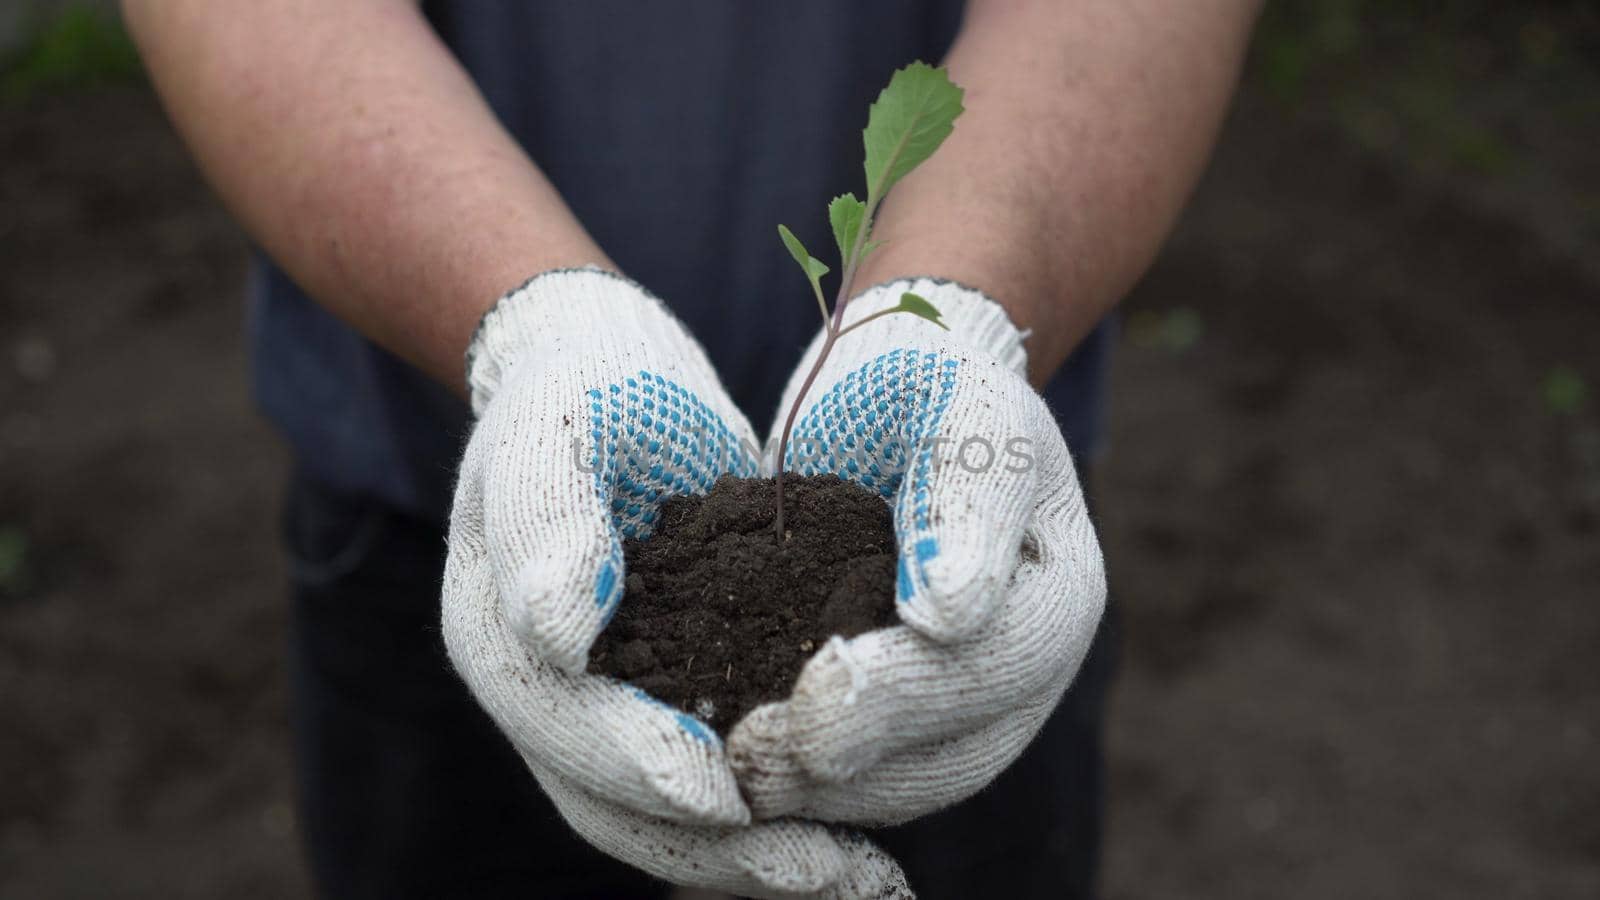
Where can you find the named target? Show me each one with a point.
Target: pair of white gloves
(594, 405)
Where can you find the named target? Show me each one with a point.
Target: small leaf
(917, 306)
(910, 119)
(813, 267)
(845, 214)
(796, 249)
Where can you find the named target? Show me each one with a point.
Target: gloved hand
(1000, 583)
(593, 406)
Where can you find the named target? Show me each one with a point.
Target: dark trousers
(407, 789)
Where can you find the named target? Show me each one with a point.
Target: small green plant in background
(1563, 390)
(1174, 330)
(14, 569)
(83, 46)
(910, 119)
(1412, 78)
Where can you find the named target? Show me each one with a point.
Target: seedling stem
(910, 119)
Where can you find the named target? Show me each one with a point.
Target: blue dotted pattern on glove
(696, 728)
(653, 439)
(874, 427)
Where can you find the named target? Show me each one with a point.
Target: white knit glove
(1000, 583)
(593, 406)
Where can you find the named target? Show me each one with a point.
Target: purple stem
(845, 282)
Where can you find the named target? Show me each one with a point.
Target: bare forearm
(1087, 125)
(360, 156)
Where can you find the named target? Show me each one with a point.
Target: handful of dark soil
(719, 618)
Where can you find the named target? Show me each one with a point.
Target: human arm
(356, 151)
(1087, 125)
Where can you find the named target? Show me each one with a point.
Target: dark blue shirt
(680, 134)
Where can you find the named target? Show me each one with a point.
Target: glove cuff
(974, 320)
(557, 307)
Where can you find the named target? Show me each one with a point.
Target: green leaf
(845, 214)
(917, 306)
(813, 267)
(909, 121)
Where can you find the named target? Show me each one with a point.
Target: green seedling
(910, 119)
